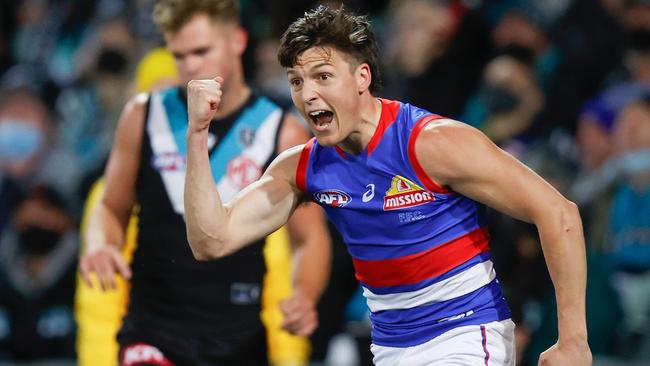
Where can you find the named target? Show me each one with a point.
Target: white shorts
(487, 344)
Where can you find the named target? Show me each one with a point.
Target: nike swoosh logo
(370, 193)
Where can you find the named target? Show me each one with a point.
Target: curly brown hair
(342, 30)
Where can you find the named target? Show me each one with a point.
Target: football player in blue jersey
(406, 188)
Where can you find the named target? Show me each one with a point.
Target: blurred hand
(203, 98)
(106, 261)
(300, 315)
(568, 353)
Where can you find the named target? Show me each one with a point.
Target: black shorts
(139, 346)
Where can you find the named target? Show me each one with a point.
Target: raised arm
(461, 157)
(214, 229)
(104, 236)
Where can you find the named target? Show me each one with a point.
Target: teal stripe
(177, 117)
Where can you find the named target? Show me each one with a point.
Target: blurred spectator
(594, 140)
(593, 136)
(588, 39)
(436, 52)
(630, 225)
(88, 109)
(25, 135)
(593, 183)
(37, 272)
(634, 17)
(508, 100)
(522, 32)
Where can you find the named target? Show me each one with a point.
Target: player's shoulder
(288, 161)
(444, 129)
(137, 104)
(132, 119)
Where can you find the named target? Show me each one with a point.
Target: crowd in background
(563, 85)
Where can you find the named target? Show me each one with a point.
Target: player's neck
(235, 94)
(365, 125)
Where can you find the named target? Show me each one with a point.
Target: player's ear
(363, 77)
(239, 40)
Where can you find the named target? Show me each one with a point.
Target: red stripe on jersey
(421, 266)
(301, 170)
(389, 109)
(422, 175)
(341, 152)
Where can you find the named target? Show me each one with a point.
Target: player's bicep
(475, 167)
(264, 206)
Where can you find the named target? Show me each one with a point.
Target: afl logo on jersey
(332, 197)
(404, 193)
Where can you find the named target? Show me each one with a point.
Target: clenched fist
(300, 315)
(203, 98)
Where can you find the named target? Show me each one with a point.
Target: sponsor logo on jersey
(243, 171)
(370, 193)
(404, 193)
(168, 161)
(332, 197)
(142, 353)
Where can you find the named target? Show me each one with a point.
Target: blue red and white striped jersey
(420, 250)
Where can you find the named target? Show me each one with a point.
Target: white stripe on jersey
(450, 288)
(162, 142)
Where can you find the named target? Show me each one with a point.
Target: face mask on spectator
(38, 241)
(634, 163)
(19, 139)
(499, 100)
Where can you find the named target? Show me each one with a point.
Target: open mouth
(321, 118)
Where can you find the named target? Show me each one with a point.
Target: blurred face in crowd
(421, 31)
(632, 131)
(204, 48)
(326, 86)
(594, 141)
(24, 131)
(40, 224)
(516, 29)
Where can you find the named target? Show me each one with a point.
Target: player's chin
(327, 139)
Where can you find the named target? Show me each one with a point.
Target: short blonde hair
(171, 15)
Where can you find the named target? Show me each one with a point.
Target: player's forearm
(104, 228)
(312, 265)
(564, 250)
(311, 248)
(204, 212)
